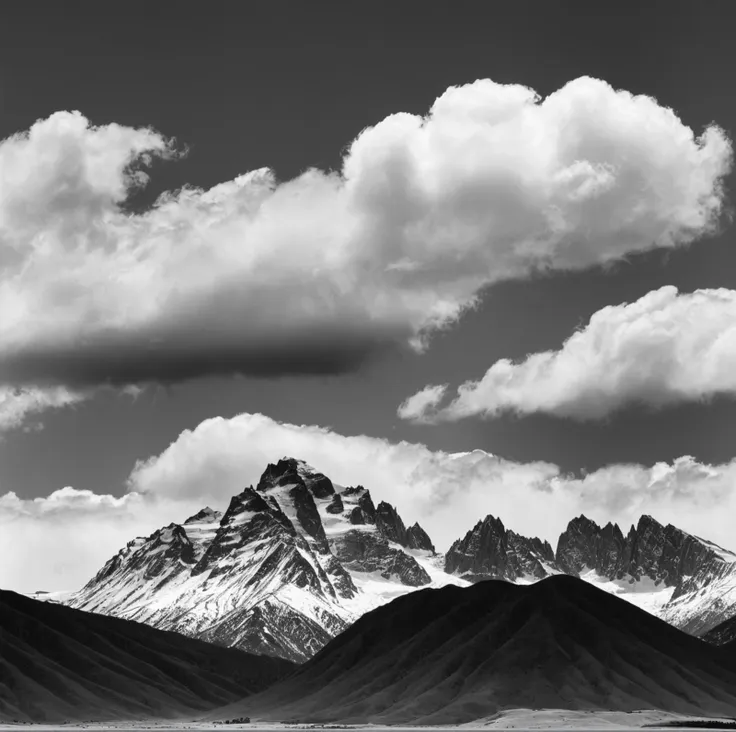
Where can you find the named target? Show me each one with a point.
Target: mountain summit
(289, 565)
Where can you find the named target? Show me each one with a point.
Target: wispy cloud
(18, 404)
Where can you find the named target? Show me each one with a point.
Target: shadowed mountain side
(724, 634)
(451, 655)
(57, 664)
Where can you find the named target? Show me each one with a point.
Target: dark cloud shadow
(119, 359)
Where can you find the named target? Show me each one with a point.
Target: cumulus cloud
(60, 541)
(316, 274)
(666, 347)
(66, 537)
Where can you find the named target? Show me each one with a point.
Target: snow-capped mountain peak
(289, 564)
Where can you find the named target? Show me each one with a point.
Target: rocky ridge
(490, 551)
(683, 579)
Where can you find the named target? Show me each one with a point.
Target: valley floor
(518, 719)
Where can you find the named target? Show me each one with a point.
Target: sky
(476, 258)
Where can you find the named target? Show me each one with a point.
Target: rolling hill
(60, 664)
(453, 655)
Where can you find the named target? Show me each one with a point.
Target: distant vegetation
(699, 723)
(236, 720)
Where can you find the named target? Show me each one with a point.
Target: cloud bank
(60, 542)
(318, 273)
(666, 347)
(70, 534)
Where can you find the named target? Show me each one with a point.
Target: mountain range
(297, 559)
(683, 579)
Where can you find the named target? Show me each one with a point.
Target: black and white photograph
(367, 365)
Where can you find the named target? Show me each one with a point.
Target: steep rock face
(584, 544)
(490, 551)
(417, 538)
(201, 529)
(365, 551)
(389, 524)
(693, 579)
(681, 578)
(663, 554)
(362, 511)
(361, 535)
(669, 555)
(295, 486)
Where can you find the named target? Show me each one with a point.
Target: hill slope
(451, 655)
(57, 664)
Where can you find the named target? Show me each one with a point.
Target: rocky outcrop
(490, 551)
(335, 505)
(363, 511)
(700, 576)
(585, 545)
(389, 523)
(650, 550)
(362, 540)
(369, 551)
(694, 580)
(669, 555)
(417, 538)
